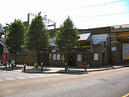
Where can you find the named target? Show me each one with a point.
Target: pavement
(108, 83)
(111, 86)
(81, 70)
(72, 70)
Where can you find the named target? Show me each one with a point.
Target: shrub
(36, 65)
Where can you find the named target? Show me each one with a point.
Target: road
(12, 75)
(110, 83)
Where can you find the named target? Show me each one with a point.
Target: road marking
(126, 95)
(40, 76)
(21, 77)
(10, 78)
(31, 76)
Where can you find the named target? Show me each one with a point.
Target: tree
(67, 36)
(38, 36)
(15, 36)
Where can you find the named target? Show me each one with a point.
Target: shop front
(120, 48)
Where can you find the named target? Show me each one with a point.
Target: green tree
(15, 36)
(38, 36)
(67, 36)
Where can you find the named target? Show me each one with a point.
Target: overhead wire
(95, 5)
(102, 4)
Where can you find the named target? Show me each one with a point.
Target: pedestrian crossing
(26, 77)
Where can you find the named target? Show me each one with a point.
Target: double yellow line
(126, 95)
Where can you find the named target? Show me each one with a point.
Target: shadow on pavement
(72, 72)
(35, 70)
(10, 69)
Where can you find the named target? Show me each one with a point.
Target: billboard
(99, 38)
(125, 51)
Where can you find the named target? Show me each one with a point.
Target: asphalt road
(111, 83)
(13, 75)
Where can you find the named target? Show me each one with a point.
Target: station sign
(120, 28)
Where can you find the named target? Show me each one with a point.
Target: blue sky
(84, 13)
(127, 5)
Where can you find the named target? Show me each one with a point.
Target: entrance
(44, 58)
(71, 60)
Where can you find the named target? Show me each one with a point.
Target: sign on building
(96, 56)
(54, 56)
(99, 38)
(58, 56)
(113, 48)
(5, 50)
(125, 51)
(79, 57)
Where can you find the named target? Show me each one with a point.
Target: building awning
(84, 36)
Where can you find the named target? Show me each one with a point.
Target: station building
(102, 46)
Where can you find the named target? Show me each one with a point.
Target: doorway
(71, 60)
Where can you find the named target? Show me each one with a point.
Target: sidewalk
(76, 70)
(81, 70)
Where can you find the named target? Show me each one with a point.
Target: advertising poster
(54, 56)
(96, 57)
(99, 38)
(79, 57)
(62, 57)
(58, 56)
(125, 51)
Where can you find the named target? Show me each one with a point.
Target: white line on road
(10, 78)
(30, 76)
(20, 77)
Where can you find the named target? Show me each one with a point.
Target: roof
(84, 36)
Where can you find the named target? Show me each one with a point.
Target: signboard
(54, 56)
(5, 50)
(96, 56)
(50, 55)
(99, 38)
(79, 57)
(125, 51)
(58, 56)
(53, 50)
(62, 57)
(113, 48)
(119, 28)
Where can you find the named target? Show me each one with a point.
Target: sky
(84, 13)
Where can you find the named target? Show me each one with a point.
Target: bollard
(41, 66)
(85, 67)
(9, 65)
(24, 67)
(12, 65)
(66, 67)
(5, 65)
